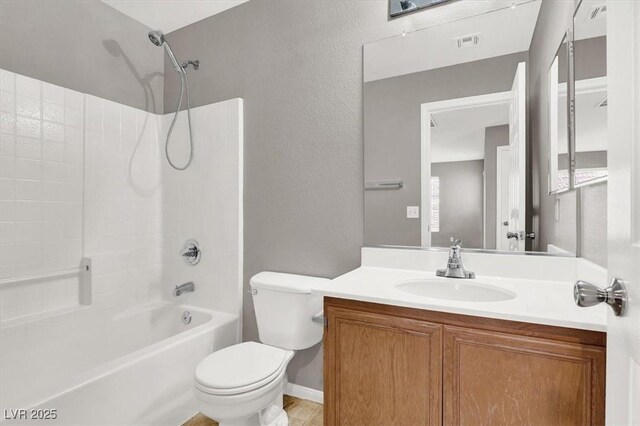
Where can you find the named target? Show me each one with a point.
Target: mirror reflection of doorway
(474, 149)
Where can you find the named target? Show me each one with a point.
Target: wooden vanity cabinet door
(381, 370)
(493, 378)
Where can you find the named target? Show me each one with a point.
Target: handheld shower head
(158, 39)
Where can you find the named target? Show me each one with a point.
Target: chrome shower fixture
(157, 38)
(195, 64)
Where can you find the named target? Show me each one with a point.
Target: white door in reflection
(517, 164)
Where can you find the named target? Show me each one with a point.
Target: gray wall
(493, 138)
(298, 66)
(461, 202)
(84, 45)
(555, 17)
(392, 132)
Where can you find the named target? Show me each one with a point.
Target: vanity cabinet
(382, 369)
(386, 365)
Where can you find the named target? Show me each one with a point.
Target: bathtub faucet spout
(184, 288)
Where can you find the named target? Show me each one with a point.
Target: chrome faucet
(454, 268)
(191, 252)
(184, 288)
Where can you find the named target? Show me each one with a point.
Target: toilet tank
(284, 309)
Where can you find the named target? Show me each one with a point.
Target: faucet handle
(191, 252)
(456, 242)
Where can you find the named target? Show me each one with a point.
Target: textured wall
(392, 134)
(84, 45)
(554, 19)
(460, 215)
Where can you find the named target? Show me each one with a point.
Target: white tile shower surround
(134, 212)
(204, 203)
(137, 211)
(41, 153)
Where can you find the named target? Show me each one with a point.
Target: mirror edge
(572, 178)
(475, 250)
(568, 39)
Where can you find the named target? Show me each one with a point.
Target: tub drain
(186, 317)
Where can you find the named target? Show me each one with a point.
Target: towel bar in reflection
(381, 185)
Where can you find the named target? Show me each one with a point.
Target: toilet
(243, 384)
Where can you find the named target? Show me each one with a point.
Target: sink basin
(454, 289)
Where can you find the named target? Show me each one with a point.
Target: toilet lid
(241, 366)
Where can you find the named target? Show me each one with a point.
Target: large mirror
(446, 135)
(590, 68)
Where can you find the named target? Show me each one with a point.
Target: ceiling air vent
(471, 40)
(596, 12)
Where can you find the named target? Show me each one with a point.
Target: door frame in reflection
(502, 216)
(427, 110)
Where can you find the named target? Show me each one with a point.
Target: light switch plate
(413, 212)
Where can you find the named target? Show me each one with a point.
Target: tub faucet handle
(191, 252)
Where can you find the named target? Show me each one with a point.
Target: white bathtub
(130, 367)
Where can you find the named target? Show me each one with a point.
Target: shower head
(156, 37)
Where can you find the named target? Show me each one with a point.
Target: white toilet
(243, 384)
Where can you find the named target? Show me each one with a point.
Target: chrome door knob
(586, 294)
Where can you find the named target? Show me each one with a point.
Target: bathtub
(111, 367)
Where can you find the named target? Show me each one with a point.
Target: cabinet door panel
(381, 370)
(498, 379)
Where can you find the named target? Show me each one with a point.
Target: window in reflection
(435, 204)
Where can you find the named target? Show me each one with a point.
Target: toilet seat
(240, 368)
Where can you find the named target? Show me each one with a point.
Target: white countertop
(537, 301)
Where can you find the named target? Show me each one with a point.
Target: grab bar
(83, 271)
(35, 277)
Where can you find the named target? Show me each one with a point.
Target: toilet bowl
(243, 384)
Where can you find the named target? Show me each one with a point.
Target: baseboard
(304, 392)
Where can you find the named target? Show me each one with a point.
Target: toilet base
(272, 415)
(281, 419)
(260, 407)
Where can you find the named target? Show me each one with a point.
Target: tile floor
(301, 412)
